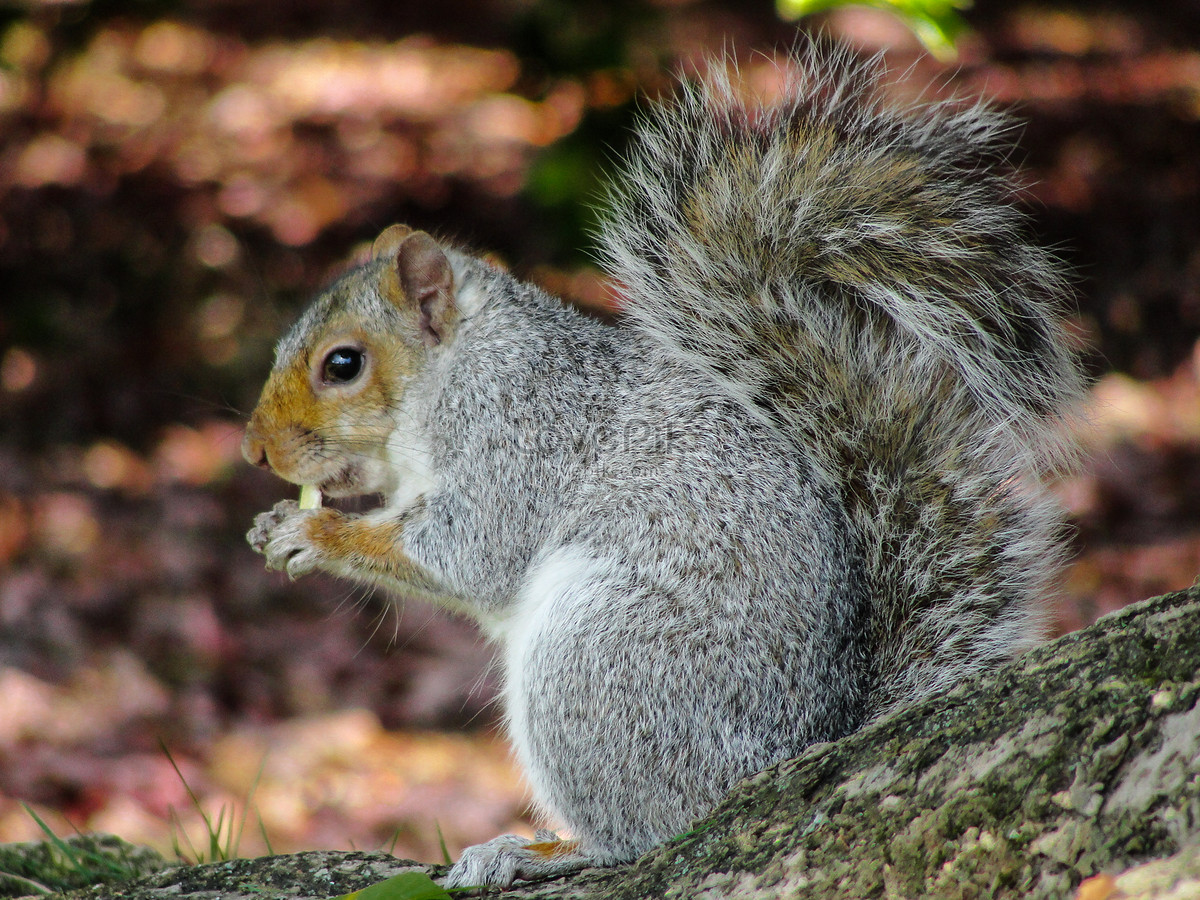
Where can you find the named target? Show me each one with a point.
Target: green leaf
(405, 886)
(936, 23)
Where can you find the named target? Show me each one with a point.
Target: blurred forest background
(177, 176)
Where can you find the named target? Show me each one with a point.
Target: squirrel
(798, 484)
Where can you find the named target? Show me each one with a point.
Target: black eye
(342, 365)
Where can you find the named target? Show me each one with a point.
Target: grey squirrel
(798, 486)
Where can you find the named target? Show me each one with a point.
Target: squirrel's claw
(264, 524)
(504, 859)
(280, 535)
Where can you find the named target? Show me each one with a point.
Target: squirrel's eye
(342, 365)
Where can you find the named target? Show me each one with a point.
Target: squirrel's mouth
(351, 475)
(340, 485)
(350, 481)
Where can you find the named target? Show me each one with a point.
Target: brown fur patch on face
(316, 432)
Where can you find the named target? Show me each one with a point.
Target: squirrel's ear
(428, 284)
(389, 241)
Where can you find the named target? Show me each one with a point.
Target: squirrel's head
(331, 403)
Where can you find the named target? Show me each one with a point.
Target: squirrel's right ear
(420, 278)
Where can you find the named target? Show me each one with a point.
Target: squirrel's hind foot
(504, 859)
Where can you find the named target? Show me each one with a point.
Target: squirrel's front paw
(503, 860)
(283, 536)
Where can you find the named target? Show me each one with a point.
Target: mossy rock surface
(37, 867)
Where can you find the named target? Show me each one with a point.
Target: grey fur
(720, 618)
(857, 275)
(722, 623)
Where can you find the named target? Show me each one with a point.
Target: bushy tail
(856, 273)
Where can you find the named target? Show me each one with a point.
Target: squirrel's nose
(254, 450)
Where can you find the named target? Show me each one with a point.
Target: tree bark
(1079, 759)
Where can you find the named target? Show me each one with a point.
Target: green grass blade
(442, 843)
